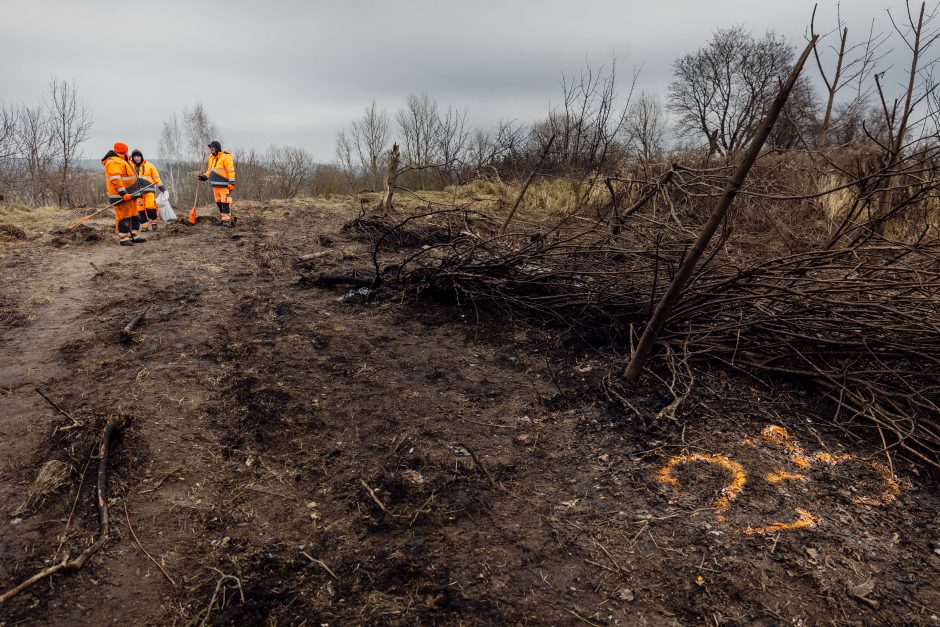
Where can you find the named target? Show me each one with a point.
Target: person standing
(121, 181)
(149, 179)
(221, 176)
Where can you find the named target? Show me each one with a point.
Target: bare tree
(292, 168)
(370, 135)
(589, 120)
(200, 130)
(33, 139)
(69, 125)
(344, 159)
(7, 150)
(723, 91)
(171, 149)
(418, 123)
(645, 127)
(452, 139)
(851, 67)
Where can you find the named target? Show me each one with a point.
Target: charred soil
(311, 454)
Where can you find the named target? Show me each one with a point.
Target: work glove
(231, 188)
(126, 197)
(202, 177)
(161, 188)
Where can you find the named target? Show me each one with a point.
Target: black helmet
(215, 144)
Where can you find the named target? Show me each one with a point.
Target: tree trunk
(394, 157)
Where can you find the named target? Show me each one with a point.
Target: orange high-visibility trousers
(221, 194)
(123, 214)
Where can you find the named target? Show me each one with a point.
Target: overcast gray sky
(276, 71)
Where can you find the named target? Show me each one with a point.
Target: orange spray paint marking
(804, 520)
(889, 495)
(779, 476)
(728, 493)
(781, 437)
(829, 458)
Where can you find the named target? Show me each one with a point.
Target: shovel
(192, 213)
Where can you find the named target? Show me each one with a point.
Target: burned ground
(298, 453)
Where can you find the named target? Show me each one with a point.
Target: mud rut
(344, 462)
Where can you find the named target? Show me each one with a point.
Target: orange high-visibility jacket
(149, 176)
(119, 175)
(221, 170)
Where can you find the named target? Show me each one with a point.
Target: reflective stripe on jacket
(119, 176)
(148, 175)
(221, 170)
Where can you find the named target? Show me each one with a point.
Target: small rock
(604, 458)
(523, 439)
(813, 555)
(311, 504)
(625, 594)
(16, 521)
(225, 541)
(413, 476)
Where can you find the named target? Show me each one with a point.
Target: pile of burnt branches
(861, 325)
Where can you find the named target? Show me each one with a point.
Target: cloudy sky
(283, 72)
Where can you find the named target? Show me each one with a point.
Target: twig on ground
(126, 331)
(160, 482)
(321, 564)
(215, 593)
(75, 423)
(479, 464)
(141, 547)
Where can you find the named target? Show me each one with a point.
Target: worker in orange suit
(122, 186)
(221, 176)
(149, 178)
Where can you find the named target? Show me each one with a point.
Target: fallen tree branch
(66, 565)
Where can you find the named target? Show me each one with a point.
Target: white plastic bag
(163, 206)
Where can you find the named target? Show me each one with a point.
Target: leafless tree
(292, 168)
(588, 121)
(481, 150)
(370, 135)
(200, 130)
(33, 139)
(452, 138)
(851, 68)
(69, 125)
(254, 174)
(418, 123)
(344, 159)
(7, 150)
(723, 91)
(171, 149)
(645, 127)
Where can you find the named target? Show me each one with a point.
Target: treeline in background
(850, 141)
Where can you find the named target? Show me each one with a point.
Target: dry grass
(53, 475)
(27, 219)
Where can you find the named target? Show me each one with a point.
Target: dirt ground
(300, 455)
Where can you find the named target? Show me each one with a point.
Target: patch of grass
(32, 219)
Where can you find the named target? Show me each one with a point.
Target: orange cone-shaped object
(192, 215)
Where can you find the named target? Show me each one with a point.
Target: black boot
(136, 239)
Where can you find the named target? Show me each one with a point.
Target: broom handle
(111, 206)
